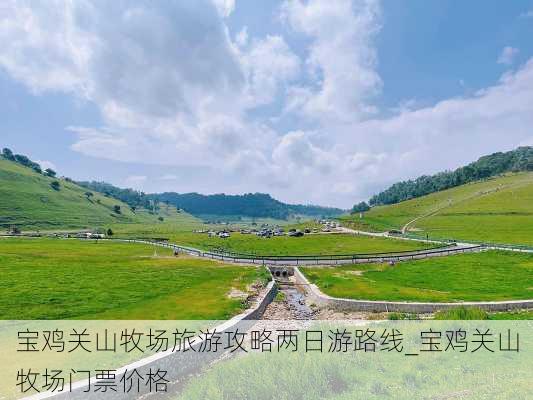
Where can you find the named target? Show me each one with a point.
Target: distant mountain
(257, 205)
(520, 159)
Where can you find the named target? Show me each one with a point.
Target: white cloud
(46, 164)
(508, 55)
(296, 151)
(183, 95)
(225, 7)
(241, 38)
(527, 14)
(135, 181)
(341, 57)
(269, 64)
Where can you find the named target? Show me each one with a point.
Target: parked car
(295, 233)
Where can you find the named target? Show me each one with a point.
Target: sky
(313, 101)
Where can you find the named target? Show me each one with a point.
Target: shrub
(8, 154)
(109, 232)
(395, 316)
(462, 313)
(116, 209)
(55, 185)
(50, 172)
(361, 207)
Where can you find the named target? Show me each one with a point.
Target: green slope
(498, 209)
(28, 201)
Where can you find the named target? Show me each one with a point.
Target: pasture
(313, 244)
(71, 279)
(486, 276)
(496, 210)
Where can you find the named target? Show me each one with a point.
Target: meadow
(313, 244)
(29, 201)
(377, 375)
(486, 276)
(498, 210)
(72, 279)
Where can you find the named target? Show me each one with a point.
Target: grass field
(308, 244)
(495, 210)
(70, 279)
(348, 374)
(28, 201)
(468, 277)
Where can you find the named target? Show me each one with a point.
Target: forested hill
(134, 198)
(520, 159)
(258, 205)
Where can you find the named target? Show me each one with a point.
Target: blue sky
(312, 101)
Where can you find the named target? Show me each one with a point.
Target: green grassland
(28, 200)
(349, 374)
(150, 227)
(486, 276)
(496, 210)
(71, 279)
(318, 244)
(475, 313)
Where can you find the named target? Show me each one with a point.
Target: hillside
(29, 202)
(497, 209)
(215, 206)
(256, 205)
(520, 159)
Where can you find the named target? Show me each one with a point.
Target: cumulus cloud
(241, 39)
(269, 64)
(195, 95)
(341, 56)
(225, 7)
(46, 164)
(508, 55)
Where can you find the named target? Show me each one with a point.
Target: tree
(361, 207)
(55, 185)
(89, 195)
(116, 209)
(161, 219)
(520, 159)
(50, 172)
(8, 154)
(109, 232)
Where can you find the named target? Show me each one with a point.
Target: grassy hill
(28, 201)
(498, 209)
(517, 160)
